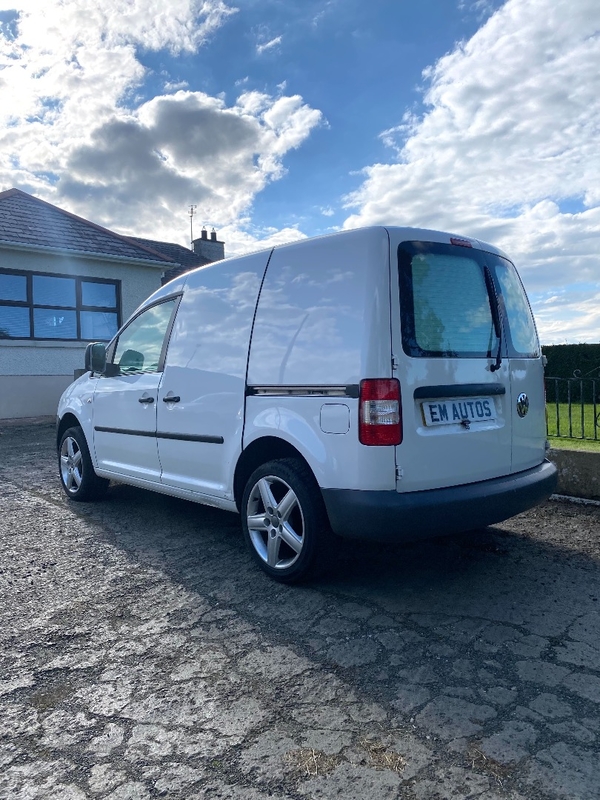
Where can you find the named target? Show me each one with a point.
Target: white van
(382, 383)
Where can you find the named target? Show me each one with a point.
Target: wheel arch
(266, 448)
(76, 469)
(69, 420)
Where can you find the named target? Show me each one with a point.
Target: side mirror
(95, 357)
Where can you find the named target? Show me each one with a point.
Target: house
(205, 251)
(65, 281)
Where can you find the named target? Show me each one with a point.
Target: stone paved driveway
(143, 655)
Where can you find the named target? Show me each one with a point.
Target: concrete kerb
(578, 473)
(578, 470)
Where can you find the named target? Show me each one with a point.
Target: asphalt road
(143, 655)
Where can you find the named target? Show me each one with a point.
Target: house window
(35, 305)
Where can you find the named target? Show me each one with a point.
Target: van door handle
(146, 400)
(174, 398)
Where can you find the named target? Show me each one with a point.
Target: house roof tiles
(27, 220)
(176, 252)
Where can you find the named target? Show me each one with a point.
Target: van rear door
(450, 354)
(528, 420)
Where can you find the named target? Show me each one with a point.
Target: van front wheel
(284, 520)
(77, 475)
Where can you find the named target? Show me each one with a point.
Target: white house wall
(34, 373)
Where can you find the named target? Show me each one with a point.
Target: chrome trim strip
(349, 390)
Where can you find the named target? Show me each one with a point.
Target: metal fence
(573, 407)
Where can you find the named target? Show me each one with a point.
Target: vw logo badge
(522, 404)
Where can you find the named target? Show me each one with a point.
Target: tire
(75, 468)
(284, 521)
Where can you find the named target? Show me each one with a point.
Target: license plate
(462, 409)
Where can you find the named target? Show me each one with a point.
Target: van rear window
(446, 306)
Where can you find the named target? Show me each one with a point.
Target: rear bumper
(393, 516)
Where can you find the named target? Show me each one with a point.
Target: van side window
(445, 303)
(140, 344)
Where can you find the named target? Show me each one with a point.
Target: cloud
(272, 43)
(570, 316)
(173, 86)
(244, 237)
(187, 145)
(82, 50)
(510, 129)
(328, 8)
(77, 127)
(481, 8)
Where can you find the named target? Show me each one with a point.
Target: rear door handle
(174, 398)
(146, 400)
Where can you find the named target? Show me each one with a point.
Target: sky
(279, 120)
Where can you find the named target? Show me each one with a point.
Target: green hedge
(563, 359)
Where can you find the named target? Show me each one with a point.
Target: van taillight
(379, 412)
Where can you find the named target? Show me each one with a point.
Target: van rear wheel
(284, 520)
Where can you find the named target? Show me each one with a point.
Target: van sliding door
(201, 400)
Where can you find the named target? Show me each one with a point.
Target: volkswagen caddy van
(383, 383)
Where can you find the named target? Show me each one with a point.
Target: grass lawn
(588, 445)
(579, 425)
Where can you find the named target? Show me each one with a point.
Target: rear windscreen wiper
(489, 282)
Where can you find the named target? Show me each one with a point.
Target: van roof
(397, 232)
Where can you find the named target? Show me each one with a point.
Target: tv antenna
(191, 212)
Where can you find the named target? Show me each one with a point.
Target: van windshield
(446, 307)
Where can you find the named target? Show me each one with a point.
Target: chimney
(210, 249)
